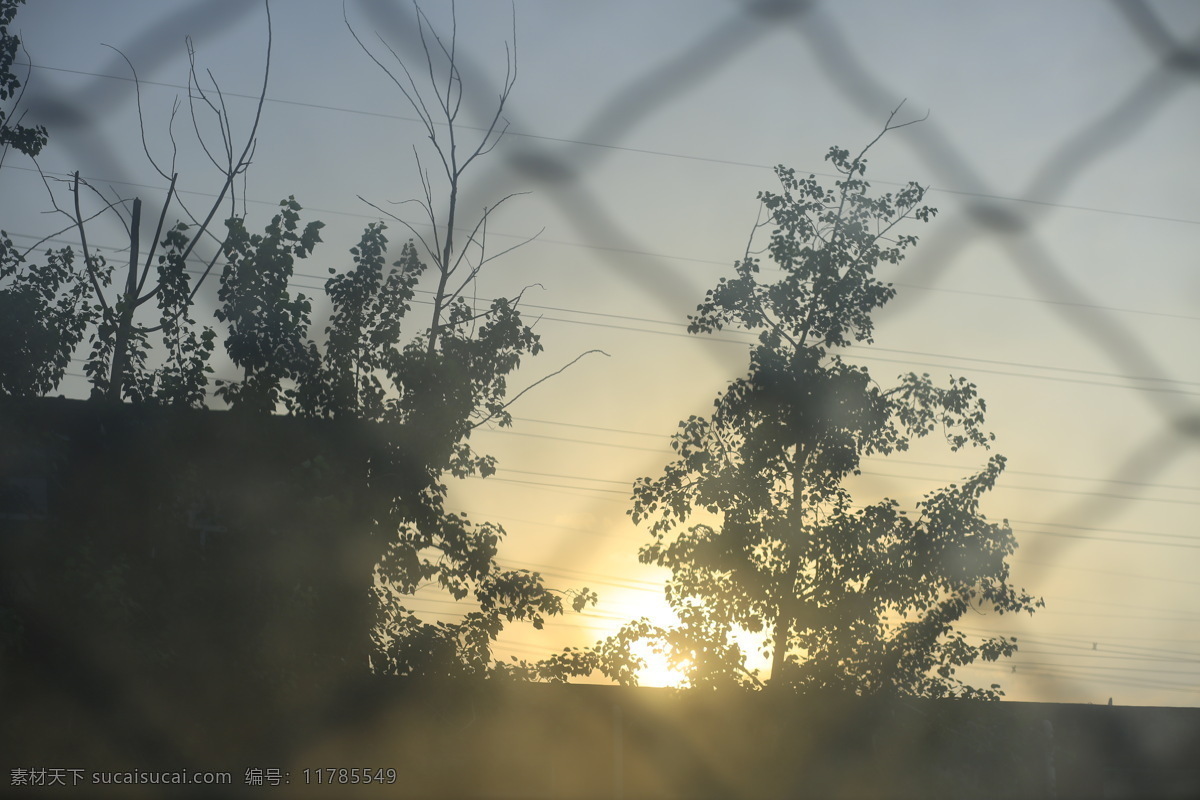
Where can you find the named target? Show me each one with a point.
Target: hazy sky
(1060, 275)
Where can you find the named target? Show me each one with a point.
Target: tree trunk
(789, 606)
(783, 624)
(126, 304)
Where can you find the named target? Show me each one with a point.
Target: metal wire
(561, 167)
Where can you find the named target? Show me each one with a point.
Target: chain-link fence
(1151, 656)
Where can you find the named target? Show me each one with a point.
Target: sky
(1059, 275)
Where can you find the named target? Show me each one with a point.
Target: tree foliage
(120, 363)
(434, 377)
(24, 139)
(43, 308)
(44, 313)
(753, 518)
(267, 327)
(377, 365)
(448, 379)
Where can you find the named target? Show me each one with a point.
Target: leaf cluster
(752, 516)
(25, 139)
(44, 313)
(437, 383)
(436, 379)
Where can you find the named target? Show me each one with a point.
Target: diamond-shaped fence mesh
(562, 169)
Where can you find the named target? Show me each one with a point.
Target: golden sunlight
(659, 671)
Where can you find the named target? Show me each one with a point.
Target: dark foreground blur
(184, 592)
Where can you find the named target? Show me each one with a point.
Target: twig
(87, 258)
(536, 383)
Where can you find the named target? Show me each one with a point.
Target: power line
(542, 485)
(1017, 664)
(1084, 643)
(589, 427)
(1118, 646)
(1023, 522)
(1139, 670)
(1142, 542)
(854, 352)
(566, 487)
(562, 477)
(1023, 530)
(887, 459)
(1105, 530)
(665, 256)
(621, 148)
(1081, 674)
(505, 432)
(1114, 573)
(577, 574)
(1118, 651)
(1018, 562)
(1049, 490)
(1134, 606)
(1087, 654)
(620, 446)
(1055, 475)
(1124, 675)
(1110, 615)
(1112, 651)
(868, 472)
(556, 486)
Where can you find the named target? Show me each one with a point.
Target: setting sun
(659, 671)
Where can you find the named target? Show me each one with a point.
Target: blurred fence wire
(560, 167)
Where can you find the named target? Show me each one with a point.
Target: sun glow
(659, 671)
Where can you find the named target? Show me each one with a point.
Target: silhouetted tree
(43, 308)
(118, 362)
(44, 312)
(64, 307)
(752, 517)
(436, 379)
(27, 140)
(448, 379)
(373, 369)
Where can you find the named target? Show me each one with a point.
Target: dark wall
(495, 740)
(187, 590)
(159, 563)
(584, 741)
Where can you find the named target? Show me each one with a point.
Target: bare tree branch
(399, 219)
(535, 384)
(243, 161)
(87, 258)
(137, 88)
(477, 239)
(154, 242)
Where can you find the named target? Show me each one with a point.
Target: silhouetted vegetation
(436, 377)
(753, 519)
(24, 139)
(189, 587)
